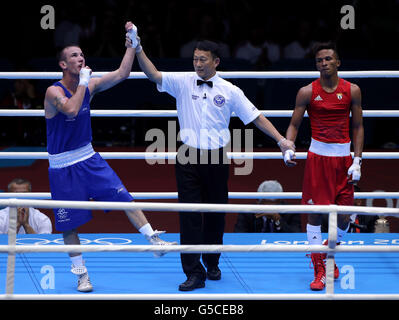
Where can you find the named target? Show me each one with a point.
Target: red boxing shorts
(326, 177)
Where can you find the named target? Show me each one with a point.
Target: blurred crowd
(263, 34)
(259, 31)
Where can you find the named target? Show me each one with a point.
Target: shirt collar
(213, 79)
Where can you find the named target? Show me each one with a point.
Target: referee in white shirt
(204, 104)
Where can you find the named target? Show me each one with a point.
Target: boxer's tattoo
(59, 102)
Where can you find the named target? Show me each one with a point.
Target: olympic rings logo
(103, 241)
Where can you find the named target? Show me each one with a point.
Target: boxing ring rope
(231, 195)
(332, 210)
(172, 155)
(173, 113)
(223, 74)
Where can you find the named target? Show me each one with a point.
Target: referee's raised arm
(147, 66)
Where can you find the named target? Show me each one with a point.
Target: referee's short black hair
(207, 45)
(330, 45)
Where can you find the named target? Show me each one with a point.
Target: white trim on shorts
(330, 149)
(69, 158)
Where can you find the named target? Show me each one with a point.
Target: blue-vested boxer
(76, 171)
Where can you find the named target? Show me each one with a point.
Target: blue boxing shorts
(91, 178)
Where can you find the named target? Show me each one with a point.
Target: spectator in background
(22, 130)
(107, 42)
(68, 30)
(271, 42)
(268, 222)
(254, 50)
(29, 220)
(210, 30)
(301, 47)
(77, 25)
(155, 28)
(23, 96)
(256, 53)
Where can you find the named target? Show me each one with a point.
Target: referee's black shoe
(214, 273)
(193, 282)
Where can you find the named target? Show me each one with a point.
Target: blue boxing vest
(66, 134)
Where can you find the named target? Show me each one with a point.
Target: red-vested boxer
(330, 171)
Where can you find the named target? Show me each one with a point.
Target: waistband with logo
(330, 149)
(69, 158)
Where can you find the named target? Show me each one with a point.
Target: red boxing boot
(319, 267)
(336, 270)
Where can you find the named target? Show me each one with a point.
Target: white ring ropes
(223, 74)
(332, 210)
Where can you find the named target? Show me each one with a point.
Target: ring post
(332, 242)
(12, 235)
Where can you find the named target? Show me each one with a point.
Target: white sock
(146, 230)
(77, 261)
(314, 234)
(341, 233)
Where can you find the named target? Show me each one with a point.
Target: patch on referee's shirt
(219, 100)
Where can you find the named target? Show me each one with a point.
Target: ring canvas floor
(141, 273)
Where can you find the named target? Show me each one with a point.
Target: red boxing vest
(329, 112)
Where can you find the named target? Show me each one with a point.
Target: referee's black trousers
(201, 180)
